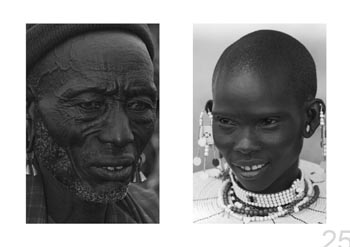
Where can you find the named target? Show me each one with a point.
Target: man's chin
(103, 193)
(102, 185)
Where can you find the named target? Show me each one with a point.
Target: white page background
(176, 20)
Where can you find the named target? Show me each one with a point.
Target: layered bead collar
(249, 206)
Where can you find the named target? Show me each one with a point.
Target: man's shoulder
(142, 192)
(146, 198)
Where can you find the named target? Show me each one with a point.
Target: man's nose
(116, 129)
(246, 142)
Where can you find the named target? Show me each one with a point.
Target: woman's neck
(284, 181)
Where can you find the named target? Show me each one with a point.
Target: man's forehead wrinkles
(110, 82)
(126, 80)
(136, 82)
(73, 91)
(108, 87)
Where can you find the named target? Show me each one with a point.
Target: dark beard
(55, 159)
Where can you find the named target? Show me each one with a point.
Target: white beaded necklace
(248, 206)
(270, 200)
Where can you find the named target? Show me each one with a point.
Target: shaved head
(264, 53)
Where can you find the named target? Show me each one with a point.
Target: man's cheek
(142, 134)
(63, 128)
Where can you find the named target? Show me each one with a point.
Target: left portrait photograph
(92, 125)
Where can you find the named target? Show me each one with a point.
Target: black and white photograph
(175, 123)
(92, 123)
(259, 123)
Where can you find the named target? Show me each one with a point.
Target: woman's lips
(250, 169)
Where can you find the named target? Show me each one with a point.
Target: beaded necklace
(248, 206)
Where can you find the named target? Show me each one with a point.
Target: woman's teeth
(252, 168)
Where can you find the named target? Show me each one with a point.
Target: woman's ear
(30, 119)
(209, 106)
(313, 110)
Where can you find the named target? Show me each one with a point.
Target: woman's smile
(251, 172)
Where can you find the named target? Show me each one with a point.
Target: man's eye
(91, 105)
(138, 106)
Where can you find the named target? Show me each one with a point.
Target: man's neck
(63, 206)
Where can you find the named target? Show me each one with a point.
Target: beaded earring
(31, 161)
(30, 164)
(206, 141)
(307, 128)
(323, 132)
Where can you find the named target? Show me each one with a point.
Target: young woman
(264, 87)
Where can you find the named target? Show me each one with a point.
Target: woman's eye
(269, 122)
(138, 106)
(225, 121)
(91, 105)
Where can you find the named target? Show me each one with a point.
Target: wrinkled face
(257, 126)
(98, 103)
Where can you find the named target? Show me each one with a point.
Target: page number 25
(344, 238)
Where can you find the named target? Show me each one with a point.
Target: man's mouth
(113, 168)
(120, 170)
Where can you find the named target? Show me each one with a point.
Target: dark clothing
(139, 206)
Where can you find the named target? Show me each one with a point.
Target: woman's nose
(246, 142)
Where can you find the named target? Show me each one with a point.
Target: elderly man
(91, 110)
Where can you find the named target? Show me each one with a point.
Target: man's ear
(30, 114)
(313, 109)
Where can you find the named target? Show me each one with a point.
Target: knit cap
(41, 38)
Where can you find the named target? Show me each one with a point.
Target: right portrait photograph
(259, 123)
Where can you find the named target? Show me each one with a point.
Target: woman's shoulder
(206, 187)
(316, 174)
(310, 167)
